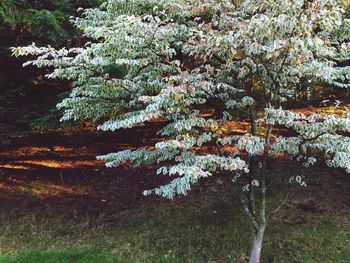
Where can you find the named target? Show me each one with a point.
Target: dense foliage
(201, 65)
(26, 99)
(43, 21)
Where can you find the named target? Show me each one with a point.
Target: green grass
(76, 255)
(170, 232)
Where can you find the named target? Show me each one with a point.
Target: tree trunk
(257, 245)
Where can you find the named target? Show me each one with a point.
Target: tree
(186, 60)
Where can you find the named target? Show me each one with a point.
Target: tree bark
(257, 245)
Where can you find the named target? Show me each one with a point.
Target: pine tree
(186, 60)
(27, 102)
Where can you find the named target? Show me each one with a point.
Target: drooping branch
(281, 204)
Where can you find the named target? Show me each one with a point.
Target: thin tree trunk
(257, 245)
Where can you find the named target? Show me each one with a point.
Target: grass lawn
(206, 227)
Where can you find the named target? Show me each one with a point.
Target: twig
(61, 177)
(278, 207)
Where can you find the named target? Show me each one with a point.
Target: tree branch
(251, 216)
(280, 205)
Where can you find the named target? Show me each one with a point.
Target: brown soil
(60, 171)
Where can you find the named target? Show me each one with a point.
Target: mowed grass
(204, 227)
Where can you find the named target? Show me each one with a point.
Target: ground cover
(58, 204)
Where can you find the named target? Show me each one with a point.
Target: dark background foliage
(27, 100)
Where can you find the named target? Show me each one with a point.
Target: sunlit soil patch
(240, 127)
(46, 189)
(42, 189)
(92, 149)
(338, 111)
(4, 187)
(330, 110)
(61, 164)
(15, 166)
(58, 148)
(33, 150)
(31, 165)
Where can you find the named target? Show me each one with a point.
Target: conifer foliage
(200, 65)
